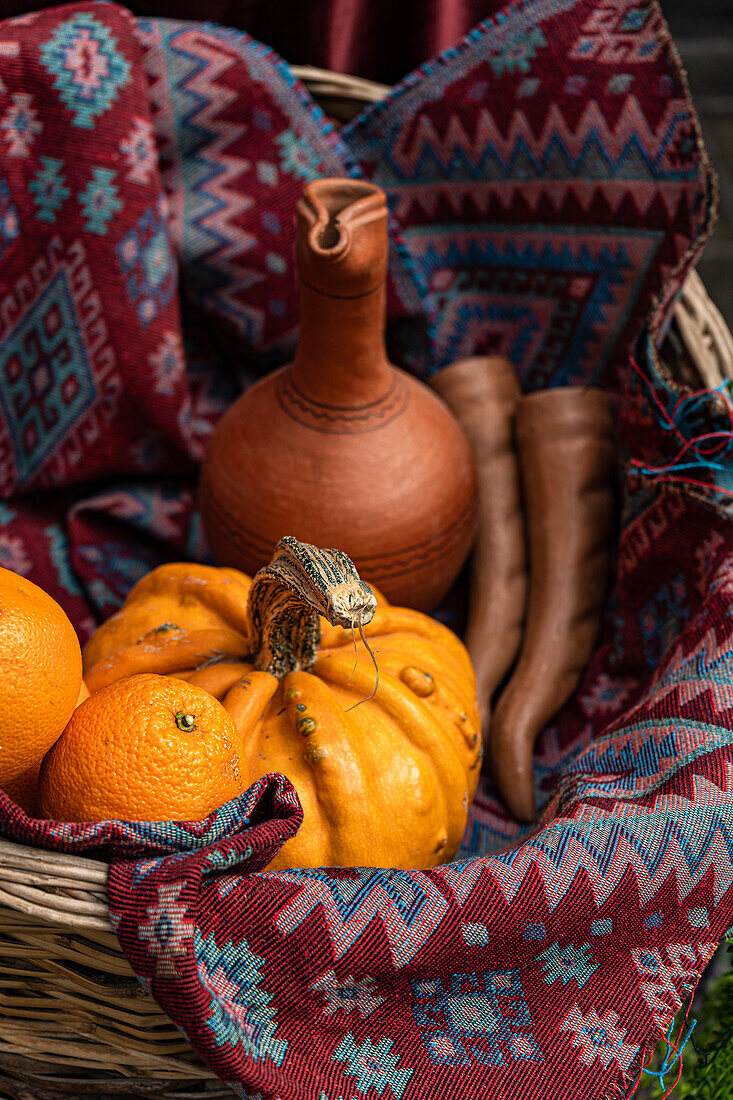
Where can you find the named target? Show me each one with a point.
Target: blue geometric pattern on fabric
(486, 284)
(9, 220)
(517, 54)
(662, 618)
(58, 551)
(118, 569)
(297, 159)
(49, 189)
(447, 172)
(100, 200)
(47, 379)
(667, 979)
(87, 67)
(174, 839)
(220, 229)
(682, 833)
(598, 1037)
(458, 158)
(242, 1014)
(562, 964)
(168, 928)
(348, 995)
(475, 1018)
(374, 1065)
(534, 930)
(406, 903)
(146, 260)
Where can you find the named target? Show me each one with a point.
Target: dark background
(703, 32)
(384, 39)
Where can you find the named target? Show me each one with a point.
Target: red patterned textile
(549, 191)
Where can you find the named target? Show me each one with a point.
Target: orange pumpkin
(205, 606)
(385, 776)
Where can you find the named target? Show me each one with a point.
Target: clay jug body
(340, 448)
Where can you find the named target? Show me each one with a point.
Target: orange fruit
(40, 674)
(146, 748)
(23, 788)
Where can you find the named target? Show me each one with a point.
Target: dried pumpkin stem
(301, 583)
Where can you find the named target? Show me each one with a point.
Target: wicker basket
(65, 987)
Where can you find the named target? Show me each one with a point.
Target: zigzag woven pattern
(549, 189)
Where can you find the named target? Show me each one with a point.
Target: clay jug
(340, 448)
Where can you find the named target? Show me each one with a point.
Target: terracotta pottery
(340, 448)
(483, 393)
(565, 439)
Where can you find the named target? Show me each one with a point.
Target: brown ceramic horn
(483, 393)
(566, 450)
(340, 448)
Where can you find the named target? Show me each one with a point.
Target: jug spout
(342, 237)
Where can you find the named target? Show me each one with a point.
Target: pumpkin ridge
(332, 754)
(425, 732)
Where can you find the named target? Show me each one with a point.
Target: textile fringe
(709, 453)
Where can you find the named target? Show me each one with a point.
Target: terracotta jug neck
(341, 358)
(342, 265)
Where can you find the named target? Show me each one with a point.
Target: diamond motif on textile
(138, 151)
(20, 125)
(48, 383)
(168, 363)
(9, 220)
(617, 31)
(598, 1037)
(167, 930)
(563, 964)
(59, 376)
(475, 1018)
(49, 189)
(606, 695)
(518, 52)
(348, 995)
(373, 1065)
(100, 200)
(241, 1011)
(87, 67)
(296, 157)
(147, 263)
(546, 304)
(666, 982)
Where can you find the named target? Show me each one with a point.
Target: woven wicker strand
(704, 333)
(74, 1020)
